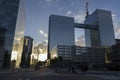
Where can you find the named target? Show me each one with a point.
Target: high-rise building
(98, 26)
(100, 37)
(2, 36)
(2, 40)
(61, 31)
(27, 51)
(12, 19)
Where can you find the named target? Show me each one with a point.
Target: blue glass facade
(61, 31)
(9, 13)
(104, 35)
(8, 18)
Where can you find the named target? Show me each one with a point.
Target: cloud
(79, 18)
(113, 16)
(116, 26)
(18, 39)
(69, 13)
(45, 41)
(80, 41)
(20, 33)
(43, 33)
(117, 29)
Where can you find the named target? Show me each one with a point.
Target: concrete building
(12, 19)
(27, 51)
(91, 56)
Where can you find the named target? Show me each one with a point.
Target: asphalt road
(47, 74)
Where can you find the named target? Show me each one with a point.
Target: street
(48, 74)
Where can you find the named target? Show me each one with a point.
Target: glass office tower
(61, 31)
(104, 35)
(2, 40)
(10, 12)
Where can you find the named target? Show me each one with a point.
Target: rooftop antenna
(87, 12)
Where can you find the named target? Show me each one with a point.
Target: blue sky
(38, 12)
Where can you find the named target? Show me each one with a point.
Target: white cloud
(117, 29)
(116, 26)
(113, 16)
(43, 33)
(80, 41)
(79, 18)
(69, 13)
(46, 41)
(18, 39)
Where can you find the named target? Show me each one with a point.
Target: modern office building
(63, 51)
(2, 36)
(27, 51)
(91, 56)
(98, 26)
(2, 48)
(100, 37)
(61, 31)
(11, 18)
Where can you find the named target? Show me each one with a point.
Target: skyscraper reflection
(12, 19)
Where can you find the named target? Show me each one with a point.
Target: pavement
(50, 74)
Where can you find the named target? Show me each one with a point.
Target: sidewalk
(5, 70)
(107, 75)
